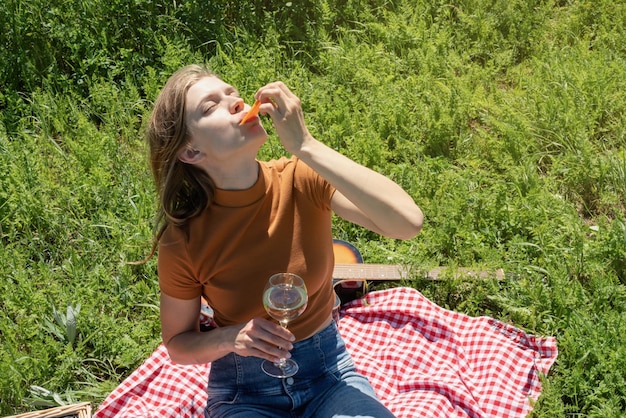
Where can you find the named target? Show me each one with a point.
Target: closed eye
(211, 102)
(208, 107)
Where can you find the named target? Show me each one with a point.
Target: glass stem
(283, 361)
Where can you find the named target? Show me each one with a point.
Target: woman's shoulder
(290, 164)
(174, 235)
(280, 164)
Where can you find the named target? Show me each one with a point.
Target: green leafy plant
(64, 326)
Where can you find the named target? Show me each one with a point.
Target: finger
(263, 349)
(273, 357)
(272, 348)
(286, 91)
(272, 352)
(279, 88)
(279, 94)
(271, 332)
(268, 109)
(278, 337)
(271, 96)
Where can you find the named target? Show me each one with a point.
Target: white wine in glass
(284, 298)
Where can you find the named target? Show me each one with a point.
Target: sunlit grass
(504, 120)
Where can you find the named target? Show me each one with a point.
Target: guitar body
(347, 289)
(346, 253)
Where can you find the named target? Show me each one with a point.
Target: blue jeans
(326, 385)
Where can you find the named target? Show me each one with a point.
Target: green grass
(505, 120)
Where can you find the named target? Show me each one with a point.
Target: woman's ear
(189, 155)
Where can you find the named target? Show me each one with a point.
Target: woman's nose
(237, 105)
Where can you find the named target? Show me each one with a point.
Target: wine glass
(284, 298)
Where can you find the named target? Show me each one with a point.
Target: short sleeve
(177, 277)
(313, 185)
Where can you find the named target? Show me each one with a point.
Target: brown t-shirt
(227, 254)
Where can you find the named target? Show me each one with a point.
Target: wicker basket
(79, 410)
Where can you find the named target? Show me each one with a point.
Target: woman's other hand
(285, 109)
(262, 338)
(187, 345)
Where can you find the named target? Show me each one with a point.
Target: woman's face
(213, 111)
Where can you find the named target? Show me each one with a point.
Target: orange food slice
(254, 110)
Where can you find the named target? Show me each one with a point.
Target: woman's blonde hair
(183, 189)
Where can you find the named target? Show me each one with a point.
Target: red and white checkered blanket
(422, 360)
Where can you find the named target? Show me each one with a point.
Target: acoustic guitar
(349, 267)
(350, 274)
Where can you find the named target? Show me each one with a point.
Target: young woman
(228, 222)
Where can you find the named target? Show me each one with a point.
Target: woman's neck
(236, 176)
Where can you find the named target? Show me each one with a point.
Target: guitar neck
(384, 272)
(369, 272)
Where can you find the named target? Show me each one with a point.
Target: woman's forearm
(384, 202)
(196, 347)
